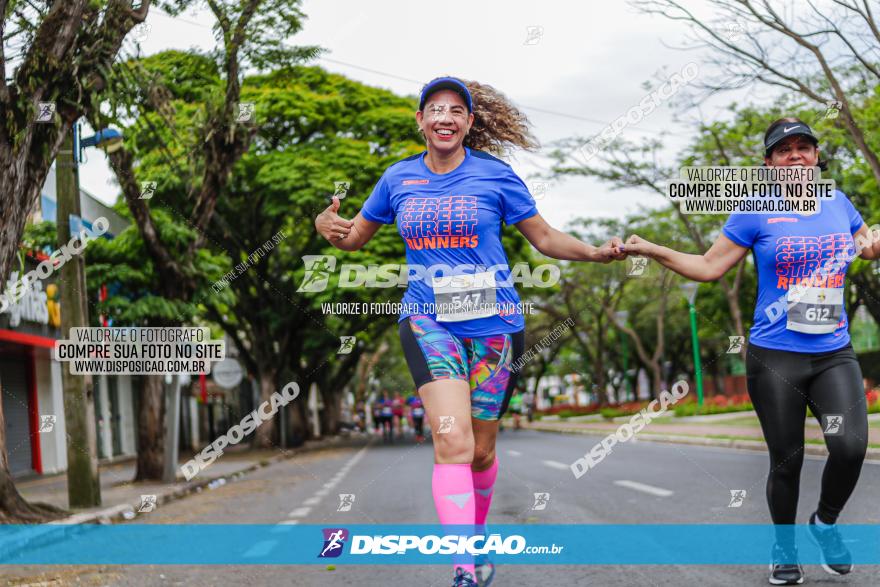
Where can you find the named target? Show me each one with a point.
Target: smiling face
(445, 121)
(795, 150)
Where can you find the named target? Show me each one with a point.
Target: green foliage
(693, 409)
(610, 413)
(125, 267)
(736, 139)
(263, 43)
(41, 236)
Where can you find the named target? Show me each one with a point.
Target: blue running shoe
(463, 579)
(785, 569)
(836, 558)
(484, 570)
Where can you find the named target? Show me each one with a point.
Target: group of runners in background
(394, 414)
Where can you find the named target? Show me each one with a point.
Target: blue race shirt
(796, 250)
(454, 220)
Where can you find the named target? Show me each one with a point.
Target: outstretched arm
(345, 235)
(721, 256)
(868, 242)
(559, 245)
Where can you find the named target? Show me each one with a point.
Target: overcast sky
(572, 67)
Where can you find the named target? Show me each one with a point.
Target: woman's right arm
(345, 235)
(720, 257)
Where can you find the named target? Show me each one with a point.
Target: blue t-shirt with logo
(453, 220)
(797, 250)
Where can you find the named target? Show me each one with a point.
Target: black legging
(782, 384)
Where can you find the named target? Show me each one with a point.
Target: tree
(61, 50)
(626, 165)
(147, 99)
(134, 299)
(307, 144)
(823, 54)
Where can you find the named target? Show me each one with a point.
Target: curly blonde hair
(498, 124)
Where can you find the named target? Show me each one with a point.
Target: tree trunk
(330, 413)
(602, 381)
(300, 422)
(151, 430)
(732, 295)
(657, 376)
(265, 433)
(13, 508)
(869, 292)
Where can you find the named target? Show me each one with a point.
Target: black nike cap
(783, 131)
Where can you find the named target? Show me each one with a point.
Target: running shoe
(484, 570)
(782, 570)
(463, 579)
(836, 558)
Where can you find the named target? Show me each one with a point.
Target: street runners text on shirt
(396, 308)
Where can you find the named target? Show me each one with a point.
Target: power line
(524, 106)
(421, 83)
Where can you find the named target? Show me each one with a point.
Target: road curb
(873, 454)
(39, 535)
(128, 511)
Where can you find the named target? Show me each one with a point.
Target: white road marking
(514, 453)
(658, 491)
(260, 548)
(557, 465)
(283, 527)
(302, 512)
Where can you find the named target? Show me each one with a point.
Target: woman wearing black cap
(461, 327)
(799, 352)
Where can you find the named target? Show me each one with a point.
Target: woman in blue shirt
(799, 347)
(461, 326)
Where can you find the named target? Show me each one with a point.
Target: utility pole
(83, 482)
(622, 316)
(690, 292)
(172, 428)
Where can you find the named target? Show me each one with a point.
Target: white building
(33, 402)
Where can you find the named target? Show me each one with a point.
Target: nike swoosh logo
(788, 129)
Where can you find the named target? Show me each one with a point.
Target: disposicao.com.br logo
(403, 544)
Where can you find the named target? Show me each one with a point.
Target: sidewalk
(121, 497)
(739, 430)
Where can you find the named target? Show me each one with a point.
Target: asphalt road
(640, 482)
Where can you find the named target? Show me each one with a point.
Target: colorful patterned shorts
(433, 353)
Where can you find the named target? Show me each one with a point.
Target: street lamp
(108, 139)
(689, 289)
(622, 316)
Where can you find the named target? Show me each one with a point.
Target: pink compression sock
(484, 489)
(453, 487)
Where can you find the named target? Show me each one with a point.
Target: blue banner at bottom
(569, 544)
